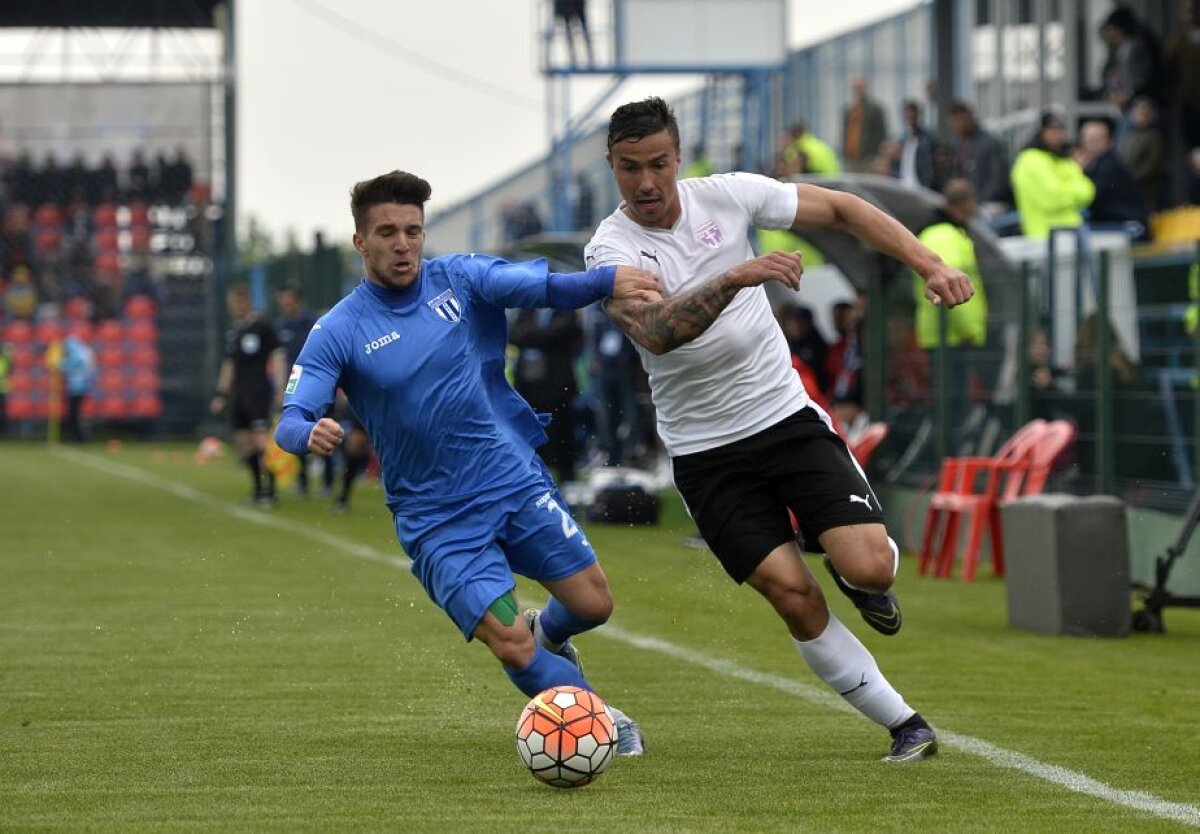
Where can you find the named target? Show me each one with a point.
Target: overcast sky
(334, 91)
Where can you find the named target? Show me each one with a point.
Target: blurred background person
(1050, 187)
(292, 325)
(980, 158)
(250, 386)
(1118, 199)
(917, 147)
(1142, 151)
(864, 127)
(79, 376)
(965, 325)
(549, 342)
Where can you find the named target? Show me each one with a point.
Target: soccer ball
(566, 736)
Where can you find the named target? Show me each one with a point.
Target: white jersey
(737, 378)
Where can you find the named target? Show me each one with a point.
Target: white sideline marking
(998, 756)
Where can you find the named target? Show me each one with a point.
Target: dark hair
(958, 107)
(396, 187)
(640, 119)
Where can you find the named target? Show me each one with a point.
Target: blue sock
(560, 625)
(544, 671)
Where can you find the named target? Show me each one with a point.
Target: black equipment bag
(624, 504)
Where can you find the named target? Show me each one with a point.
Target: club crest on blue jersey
(447, 306)
(710, 235)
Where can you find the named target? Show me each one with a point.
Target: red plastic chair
(867, 442)
(1056, 438)
(972, 487)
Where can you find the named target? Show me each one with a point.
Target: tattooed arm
(662, 326)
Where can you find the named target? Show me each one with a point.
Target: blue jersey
(490, 327)
(444, 429)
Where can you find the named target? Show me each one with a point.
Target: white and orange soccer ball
(566, 736)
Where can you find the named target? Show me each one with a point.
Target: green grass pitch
(173, 660)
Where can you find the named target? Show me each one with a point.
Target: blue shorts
(466, 562)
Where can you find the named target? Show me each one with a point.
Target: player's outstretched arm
(662, 326)
(825, 208)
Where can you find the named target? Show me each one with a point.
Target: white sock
(895, 563)
(843, 662)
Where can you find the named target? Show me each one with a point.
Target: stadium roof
(135, 14)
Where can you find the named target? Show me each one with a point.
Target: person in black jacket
(1118, 198)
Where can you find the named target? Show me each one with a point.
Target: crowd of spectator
(83, 231)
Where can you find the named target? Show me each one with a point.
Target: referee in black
(250, 385)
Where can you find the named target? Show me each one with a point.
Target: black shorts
(739, 494)
(251, 413)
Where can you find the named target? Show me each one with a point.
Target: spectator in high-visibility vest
(816, 157)
(1050, 188)
(966, 324)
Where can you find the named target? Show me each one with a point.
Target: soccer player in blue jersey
(414, 348)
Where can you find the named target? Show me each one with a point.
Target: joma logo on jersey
(385, 339)
(446, 306)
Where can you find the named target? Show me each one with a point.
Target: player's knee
(872, 567)
(597, 607)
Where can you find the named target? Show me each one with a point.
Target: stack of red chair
(974, 488)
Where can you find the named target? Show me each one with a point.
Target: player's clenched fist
(326, 436)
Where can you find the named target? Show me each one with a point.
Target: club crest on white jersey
(446, 305)
(710, 235)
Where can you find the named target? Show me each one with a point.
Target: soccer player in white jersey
(746, 443)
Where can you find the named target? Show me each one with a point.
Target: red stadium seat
(147, 406)
(145, 381)
(48, 240)
(112, 380)
(82, 330)
(20, 381)
(106, 240)
(19, 407)
(104, 216)
(48, 215)
(78, 308)
(139, 215)
(25, 355)
(18, 332)
(142, 331)
(111, 356)
(139, 238)
(143, 356)
(112, 407)
(89, 409)
(140, 307)
(108, 263)
(49, 331)
(110, 331)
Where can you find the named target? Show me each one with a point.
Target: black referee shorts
(250, 411)
(739, 494)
